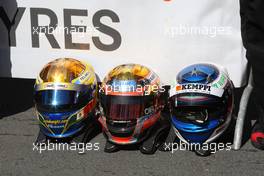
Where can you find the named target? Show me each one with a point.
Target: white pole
(242, 113)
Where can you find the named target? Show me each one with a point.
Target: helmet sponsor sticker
(57, 86)
(221, 82)
(197, 88)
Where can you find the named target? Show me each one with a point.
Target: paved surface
(17, 158)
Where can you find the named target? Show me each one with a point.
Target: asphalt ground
(17, 157)
(19, 130)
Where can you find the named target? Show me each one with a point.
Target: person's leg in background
(252, 26)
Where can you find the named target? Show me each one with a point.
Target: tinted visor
(198, 109)
(125, 108)
(61, 100)
(199, 115)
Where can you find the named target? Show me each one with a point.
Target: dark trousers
(252, 26)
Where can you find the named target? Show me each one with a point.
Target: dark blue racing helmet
(201, 103)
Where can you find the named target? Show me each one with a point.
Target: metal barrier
(242, 113)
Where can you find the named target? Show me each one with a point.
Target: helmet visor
(191, 109)
(61, 100)
(125, 108)
(197, 115)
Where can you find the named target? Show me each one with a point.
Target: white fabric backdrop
(165, 36)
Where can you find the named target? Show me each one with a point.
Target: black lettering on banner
(34, 13)
(68, 13)
(106, 30)
(11, 25)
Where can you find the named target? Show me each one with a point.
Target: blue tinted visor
(53, 101)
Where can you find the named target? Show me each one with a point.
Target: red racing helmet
(130, 97)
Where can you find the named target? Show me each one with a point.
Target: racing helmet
(65, 96)
(201, 103)
(130, 103)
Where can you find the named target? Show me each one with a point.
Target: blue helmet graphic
(201, 103)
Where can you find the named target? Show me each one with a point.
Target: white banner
(164, 35)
